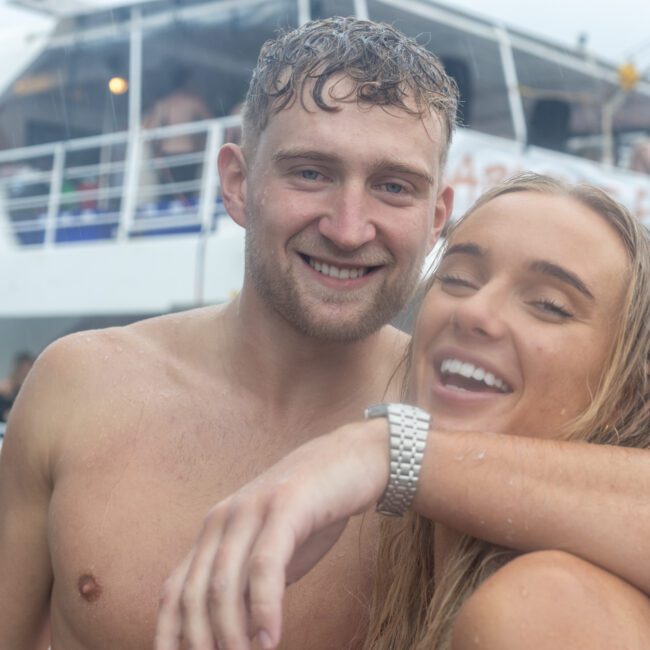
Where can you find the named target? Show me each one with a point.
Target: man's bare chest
(126, 509)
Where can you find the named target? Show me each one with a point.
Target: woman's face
(515, 331)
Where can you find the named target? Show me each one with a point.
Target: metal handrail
(54, 207)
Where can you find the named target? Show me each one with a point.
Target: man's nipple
(89, 587)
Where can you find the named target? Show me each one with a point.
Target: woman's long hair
(409, 611)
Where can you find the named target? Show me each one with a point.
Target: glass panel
(196, 66)
(563, 106)
(66, 93)
(24, 188)
(91, 193)
(473, 61)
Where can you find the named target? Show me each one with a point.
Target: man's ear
(444, 206)
(233, 172)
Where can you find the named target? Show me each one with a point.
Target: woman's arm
(525, 493)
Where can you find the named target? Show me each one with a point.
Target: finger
(267, 570)
(226, 596)
(195, 620)
(168, 626)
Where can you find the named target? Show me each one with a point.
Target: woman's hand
(229, 589)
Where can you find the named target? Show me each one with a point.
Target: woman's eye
(451, 280)
(549, 306)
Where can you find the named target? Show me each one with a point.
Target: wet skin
(529, 291)
(140, 430)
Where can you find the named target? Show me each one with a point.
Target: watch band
(408, 428)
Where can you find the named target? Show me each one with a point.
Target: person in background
(181, 106)
(10, 386)
(640, 160)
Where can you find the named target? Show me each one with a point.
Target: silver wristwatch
(409, 428)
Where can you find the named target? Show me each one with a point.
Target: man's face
(341, 209)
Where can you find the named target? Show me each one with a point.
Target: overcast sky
(616, 29)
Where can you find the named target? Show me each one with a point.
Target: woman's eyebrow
(562, 274)
(467, 248)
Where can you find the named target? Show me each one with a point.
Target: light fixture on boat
(118, 85)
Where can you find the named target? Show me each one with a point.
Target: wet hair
(407, 611)
(387, 69)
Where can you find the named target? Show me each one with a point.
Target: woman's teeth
(335, 272)
(470, 371)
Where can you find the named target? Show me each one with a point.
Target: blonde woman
(535, 325)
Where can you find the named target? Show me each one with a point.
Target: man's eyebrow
(393, 167)
(560, 273)
(382, 165)
(307, 154)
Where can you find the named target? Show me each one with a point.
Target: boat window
(563, 105)
(211, 54)
(66, 92)
(473, 60)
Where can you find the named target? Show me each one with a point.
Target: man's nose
(348, 222)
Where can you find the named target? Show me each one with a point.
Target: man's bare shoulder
(82, 377)
(105, 352)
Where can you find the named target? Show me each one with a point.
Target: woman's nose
(481, 314)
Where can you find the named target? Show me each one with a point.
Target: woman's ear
(233, 172)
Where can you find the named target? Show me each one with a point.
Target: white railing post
(304, 12)
(512, 84)
(210, 175)
(54, 199)
(207, 204)
(134, 148)
(361, 9)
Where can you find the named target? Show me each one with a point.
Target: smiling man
(122, 439)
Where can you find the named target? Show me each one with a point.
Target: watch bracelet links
(408, 432)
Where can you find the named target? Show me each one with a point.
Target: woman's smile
(518, 319)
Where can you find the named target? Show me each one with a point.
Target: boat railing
(113, 187)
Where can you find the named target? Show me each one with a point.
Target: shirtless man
(122, 439)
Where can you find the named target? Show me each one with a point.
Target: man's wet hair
(387, 68)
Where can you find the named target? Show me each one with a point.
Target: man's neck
(289, 369)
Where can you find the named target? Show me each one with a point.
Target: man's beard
(278, 288)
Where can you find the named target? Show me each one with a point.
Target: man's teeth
(335, 272)
(470, 371)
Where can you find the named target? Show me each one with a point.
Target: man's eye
(309, 174)
(394, 188)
